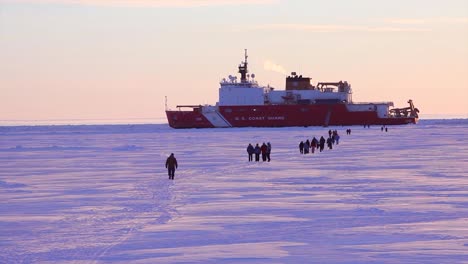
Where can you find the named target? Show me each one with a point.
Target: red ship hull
(188, 119)
(282, 116)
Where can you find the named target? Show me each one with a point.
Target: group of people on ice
(264, 150)
(310, 146)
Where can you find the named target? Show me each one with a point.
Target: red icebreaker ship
(245, 103)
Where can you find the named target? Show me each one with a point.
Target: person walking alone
(171, 165)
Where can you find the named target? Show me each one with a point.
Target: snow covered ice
(101, 194)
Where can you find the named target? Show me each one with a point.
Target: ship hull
(188, 119)
(280, 116)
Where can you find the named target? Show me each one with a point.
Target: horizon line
(154, 121)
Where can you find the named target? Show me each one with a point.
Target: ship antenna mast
(243, 68)
(245, 55)
(165, 102)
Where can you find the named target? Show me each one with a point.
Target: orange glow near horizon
(84, 60)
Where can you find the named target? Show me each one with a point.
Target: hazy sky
(118, 59)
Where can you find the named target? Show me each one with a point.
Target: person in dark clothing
(306, 147)
(329, 133)
(334, 136)
(171, 165)
(330, 143)
(386, 129)
(268, 151)
(301, 147)
(264, 150)
(257, 152)
(313, 145)
(322, 143)
(250, 151)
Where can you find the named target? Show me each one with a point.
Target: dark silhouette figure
(268, 151)
(257, 152)
(264, 149)
(334, 134)
(301, 147)
(313, 145)
(330, 143)
(250, 151)
(306, 147)
(322, 143)
(386, 129)
(171, 165)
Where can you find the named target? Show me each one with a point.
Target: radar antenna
(243, 68)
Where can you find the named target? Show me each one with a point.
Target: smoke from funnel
(271, 66)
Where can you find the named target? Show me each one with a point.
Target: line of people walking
(310, 146)
(264, 150)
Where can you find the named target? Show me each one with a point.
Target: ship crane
(406, 111)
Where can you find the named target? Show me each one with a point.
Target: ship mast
(243, 69)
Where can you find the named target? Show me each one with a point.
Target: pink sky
(119, 59)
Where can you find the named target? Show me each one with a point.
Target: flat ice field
(101, 194)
